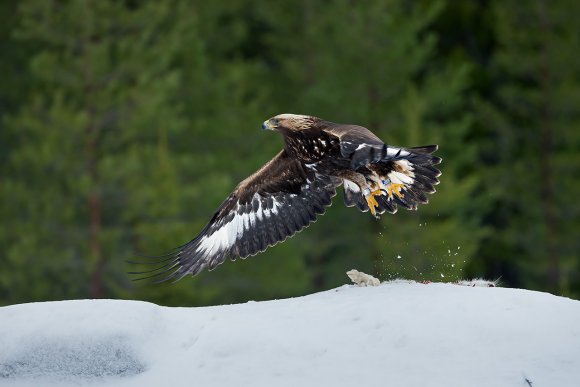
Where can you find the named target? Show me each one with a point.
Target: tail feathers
(425, 149)
(385, 205)
(421, 155)
(405, 176)
(365, 154)
(418, 174)
(409, 177)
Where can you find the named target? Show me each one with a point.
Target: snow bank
(395, 334)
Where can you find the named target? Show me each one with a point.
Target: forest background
(124, 124)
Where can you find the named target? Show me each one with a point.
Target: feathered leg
(369, 189)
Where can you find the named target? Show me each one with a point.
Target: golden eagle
(286, 194)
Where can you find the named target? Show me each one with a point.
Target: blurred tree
(125, 124)
(103, 138)
(93, 133)
(532, 145)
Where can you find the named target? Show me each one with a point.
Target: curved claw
(396, 189)
(372, 202)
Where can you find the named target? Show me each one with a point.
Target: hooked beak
(267, 125)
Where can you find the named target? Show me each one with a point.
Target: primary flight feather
(289, 191)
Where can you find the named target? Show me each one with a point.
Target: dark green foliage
(532, 142)
(125, 124)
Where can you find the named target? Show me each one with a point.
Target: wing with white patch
(361, 145)
(280, 199)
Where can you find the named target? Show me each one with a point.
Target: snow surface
(397, 334)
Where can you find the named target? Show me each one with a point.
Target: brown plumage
(292, 189)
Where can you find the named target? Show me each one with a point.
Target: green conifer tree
(532, 144)
(90, 161)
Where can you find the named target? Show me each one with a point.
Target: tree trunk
(94, 202)
(546, 149)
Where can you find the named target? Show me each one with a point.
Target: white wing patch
(400, 178)
(229, 233)
(392, 151)
(406, 177)
(375, 146)
(275, 207)
(406, 165)
(349, 185)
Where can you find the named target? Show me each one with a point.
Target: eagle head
(292, 122)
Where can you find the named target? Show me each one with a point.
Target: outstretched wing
(280, 199)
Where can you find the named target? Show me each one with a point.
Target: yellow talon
(372, 202)
(396, 189)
